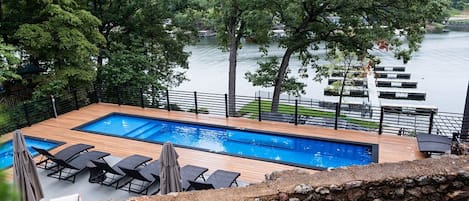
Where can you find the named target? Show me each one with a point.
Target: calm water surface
(441, 68)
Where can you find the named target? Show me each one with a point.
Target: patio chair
(101, 172)
(188, 173)
(191, 173)
(218, 179)
(65, 154)
(68, 170)
(430, 144)
(142, 178)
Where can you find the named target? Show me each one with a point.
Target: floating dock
(396, 83)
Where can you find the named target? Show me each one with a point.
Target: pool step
(140, 130)
(150, 132)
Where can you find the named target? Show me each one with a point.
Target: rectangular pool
(6, 149)
(282, 148)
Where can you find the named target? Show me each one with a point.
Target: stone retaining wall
(445, 178)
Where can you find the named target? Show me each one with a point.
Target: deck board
(391, 148)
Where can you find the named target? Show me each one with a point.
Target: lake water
(441, 68)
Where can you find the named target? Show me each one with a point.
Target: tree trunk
(280, 76)
(232, 70)
(341, 95)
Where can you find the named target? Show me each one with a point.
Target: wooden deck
(391, 148)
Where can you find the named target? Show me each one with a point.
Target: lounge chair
(65, 154)
(218, 179)
(104, 174)
(429, 144)
(191, 173)
(142, 178)
(67, 170)
(188, 173)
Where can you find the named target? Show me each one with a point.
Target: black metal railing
(384, 119)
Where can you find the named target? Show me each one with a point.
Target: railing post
(296, 111)
(195, 103)
(26, 114)
(336, 122)
(53, 108)
(430, 126)
(167, 100)
(381, 118)
(226, 105)
(75, 97)
(142, 103)
(259, 108)
(465, 118)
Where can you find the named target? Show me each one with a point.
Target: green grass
(4, 117)
(453, 12)
(253, 111)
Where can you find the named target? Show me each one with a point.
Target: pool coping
(374, 147)
(59, 143)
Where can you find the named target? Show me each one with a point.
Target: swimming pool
(6, 149)
(273, 147)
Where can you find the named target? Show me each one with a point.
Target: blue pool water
(286, 149)
(6, 149)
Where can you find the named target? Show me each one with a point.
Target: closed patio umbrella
(24, 170)
(170, 175)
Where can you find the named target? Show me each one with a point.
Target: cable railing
(361, 117)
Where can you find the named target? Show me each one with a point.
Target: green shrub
(7, 191)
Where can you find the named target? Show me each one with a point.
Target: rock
(294, 199)
(458, 195)
(356, 194)
(409, 182)
(428, 190)
(463, 174)
(283, 196)
(439, 179)
(416, 192)
(312, 196)
(423, 180)
(303, 189)
(334, 187)
(257, 199)
(322, 190)
(374, 194)
(442, 188)
(457, 184)
(352, 184)
(399, 192)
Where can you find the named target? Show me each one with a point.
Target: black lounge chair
(142, 178)
(101, 172)
(65, 154)
(191, 173)
(67, 170)
(429, 144)
(218, 179)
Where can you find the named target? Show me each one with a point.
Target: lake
(441, 67)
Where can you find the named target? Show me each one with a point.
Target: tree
(60, 37)
(7, 190)
(351, 26)
(144, 42)
(8, 63)
(234, 20)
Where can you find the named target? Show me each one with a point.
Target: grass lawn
(3, 115)
(253, 111)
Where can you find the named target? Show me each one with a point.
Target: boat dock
(396, 83)
(384, 82)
